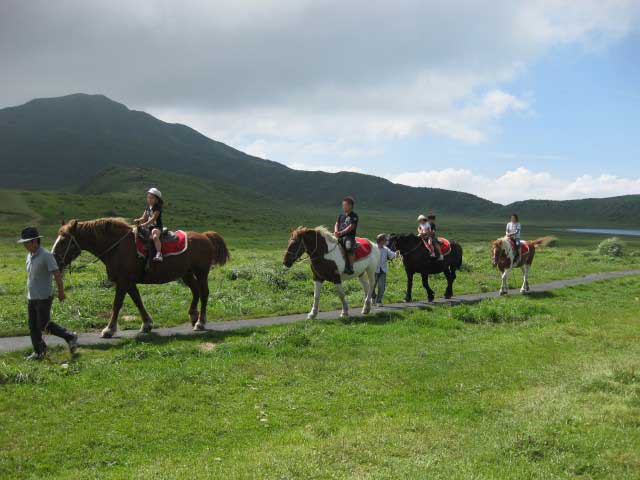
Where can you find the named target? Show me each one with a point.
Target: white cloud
(521, 184)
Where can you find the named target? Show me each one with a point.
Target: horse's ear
(291, 230)
(73, 223)
(62, 222)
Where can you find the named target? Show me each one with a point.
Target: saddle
(173, 243)
(445, 246)
(524, 246)
(361, 250)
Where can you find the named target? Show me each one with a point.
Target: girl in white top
(424, 230)
(513, 232)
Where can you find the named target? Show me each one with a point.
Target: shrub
(611, 247)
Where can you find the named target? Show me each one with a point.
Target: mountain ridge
(61, 143)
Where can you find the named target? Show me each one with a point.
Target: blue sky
(508, 100)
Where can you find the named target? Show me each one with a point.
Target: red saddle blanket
(445, 246)
(524, 246)
(363, 248)
(169, 247)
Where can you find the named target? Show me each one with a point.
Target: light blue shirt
(385, 254)
(40, 265)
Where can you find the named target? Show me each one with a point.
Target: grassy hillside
(590, 212)
(60, 143)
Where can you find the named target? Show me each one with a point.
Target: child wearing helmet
(151, 219)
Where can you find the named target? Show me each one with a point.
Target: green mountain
(89, 144)
(60, 143)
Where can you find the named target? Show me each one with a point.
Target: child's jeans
(381, 285)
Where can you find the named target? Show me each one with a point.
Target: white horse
(327, 264)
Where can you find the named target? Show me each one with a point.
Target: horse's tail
(542, 241)
(458, 248)
(221, 253)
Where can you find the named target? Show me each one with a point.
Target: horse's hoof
(194, 318)
(146, 327)
(431, 299)
(406, 300)
(312, 316)
(344, 315)
(365, 311)
(198, 327)
(502, 292)
(107, 333)
(448, 297)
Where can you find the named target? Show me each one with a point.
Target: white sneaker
(158, 257)
(34, 356)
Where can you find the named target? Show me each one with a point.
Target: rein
(98, 257)
(310, 256)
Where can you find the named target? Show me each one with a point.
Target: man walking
(386, 254)
(41, 266)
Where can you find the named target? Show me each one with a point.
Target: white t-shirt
(514, 229)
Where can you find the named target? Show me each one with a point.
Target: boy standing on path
(386, 254)
(41, 266)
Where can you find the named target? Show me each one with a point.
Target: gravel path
(10, 344)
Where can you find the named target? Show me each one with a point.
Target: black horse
(416, 259)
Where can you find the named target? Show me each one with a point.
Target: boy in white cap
(152, 219)
(41, 266)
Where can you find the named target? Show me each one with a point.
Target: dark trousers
(517, 242)
(40, 320)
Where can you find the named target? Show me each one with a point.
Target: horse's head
(66, 247)
(497, 251)
(295, 247)
(402, 243)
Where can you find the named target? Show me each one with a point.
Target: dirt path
(10, 344)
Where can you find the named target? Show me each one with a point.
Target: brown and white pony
(327, 264)
(112, 241)
(503, 254)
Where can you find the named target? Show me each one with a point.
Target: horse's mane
(322, 230)
(505, 245)
(102, 226)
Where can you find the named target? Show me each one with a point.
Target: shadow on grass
(540, 295)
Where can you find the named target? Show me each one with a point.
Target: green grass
(545, 386)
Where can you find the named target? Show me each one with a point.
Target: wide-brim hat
(421, 217)
(156, 192)
(28, 234)
(382, 236)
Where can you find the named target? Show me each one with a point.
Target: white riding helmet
(155, 191)
(421, 217)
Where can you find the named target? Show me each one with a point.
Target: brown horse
(112, 241)
(503, 254)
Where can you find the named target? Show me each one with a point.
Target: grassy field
(544, 386)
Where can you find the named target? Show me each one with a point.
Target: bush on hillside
(611, 247)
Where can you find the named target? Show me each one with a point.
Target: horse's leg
(343, 299)
(317, 286)
(407, 297)
(504, 288)
(203, 283)
(192, 283)
(147, 322)
(427, 287)
(118, 299)
(367, 283)
(450, 273)
(525, 278)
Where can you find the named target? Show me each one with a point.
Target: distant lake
(606, 231)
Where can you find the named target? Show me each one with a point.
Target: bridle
(302, 246)
(98, 257)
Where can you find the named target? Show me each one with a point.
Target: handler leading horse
(112, 241)
(503, 255)
(327, 265)
(416, 258)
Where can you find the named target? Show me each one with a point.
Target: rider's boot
(348, 266)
